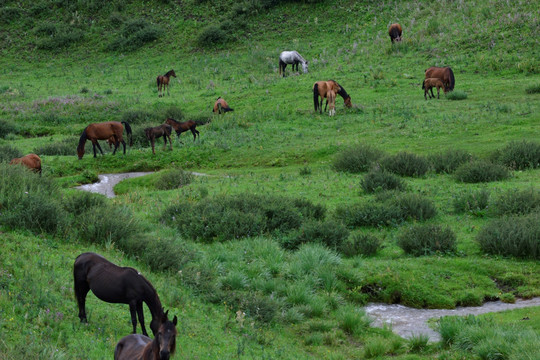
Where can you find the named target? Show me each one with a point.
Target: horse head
(348, 102)
(166, 336)
(305, 67)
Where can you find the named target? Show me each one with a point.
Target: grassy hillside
(281, 229)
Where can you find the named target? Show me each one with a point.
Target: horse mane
(169, 72)
(342, 92)
(174, 121)
(300, 56)
(83, 139)
(452, 79)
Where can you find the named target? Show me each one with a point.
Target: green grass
(273, 143)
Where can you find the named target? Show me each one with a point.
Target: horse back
(31, 161)
(131, 347)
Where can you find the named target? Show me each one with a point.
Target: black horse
(180, 127)
(115, 284)
(152, 133)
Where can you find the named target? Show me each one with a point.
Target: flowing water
(408, 322)
(106, 183)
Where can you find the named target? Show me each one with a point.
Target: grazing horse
(294, 58)
(140, 347)
(180, 127)
(115, 284)
(429, 84)
(221, 106)
(104, 131)
(445, 74)
(395, 32)
(329, 89)
(152, 133)
(31, 161)
(163, 82)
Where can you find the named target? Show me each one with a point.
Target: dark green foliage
(474, 202)
(415, 206)
(360, 244)
(260, 307)
(106, 224)
(6, 128)
(357, 158)
(518, 202)
(448, 161)
(517, 236)
(78, 202)
(456, 95)
(10, 14)
(481, 171)
(370, 214)
(173, 179)
(212, 36)
(134, 34)
(8, 152)
(57, 36)
(533, 89)
(173, 112)
(380, 180)
(405, 164)
(161, 254)
(67, 146)
(309, 210)
(519, 155)
(329, 233)
(427, 239)
(138, 116)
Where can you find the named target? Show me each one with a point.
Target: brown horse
(31, 161)
(180, 127)
(221, 106)
(140, 347)
(104, 131)
(395, 32)
(115, 284)
(329, 89)
(163, 82)
(445, 74)
(429, 84)
(152, 133)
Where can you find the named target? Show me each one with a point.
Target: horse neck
(151, 298)
(151, 350)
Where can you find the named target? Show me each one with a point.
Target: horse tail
(423, 84)
(452, 80)
(316, 96)
(158, 82)
(128, 131)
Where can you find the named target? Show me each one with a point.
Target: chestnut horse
(152, 133)
(180, 127)
(329, 89)
(140, 347)
(115, 284)
(163, 82)
(429, 84)
(104, 131)
(444, 73)
(395, 32)
(221, 106)
(31, 161)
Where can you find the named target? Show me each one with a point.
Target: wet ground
(408, 322)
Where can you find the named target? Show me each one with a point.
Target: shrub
(260, 307)
(65, 147)
(10, 14)
(378, 180)
(518, 202)
(360, 244)
(310, 210)
(456, 95)
(211, 36)
(405, 164)
(137, 116)
(7, 128)
(173, 179)
(427, 239)
(369, 214)
(329, 233)
(106, 224)
(173, 112)
(418, 343)
(448, 161)
(481, 171)
(519, 155)
(57, 37)
(533, 89)
(415, 206)
(9, 152)
(356, 159)
(135, 34)
(474, 202)
(78, 202)
(517, 236)
(352, 320)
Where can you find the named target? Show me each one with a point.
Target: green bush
(10, 14)
(260, 307)
(173, 179)
(427, 239)
(353, 321)
(405, 164)
(519, 155)
(481, 171)
(138, 117)
(57, 36)
(106, 224)
(369, 214)
(474, 202)
(518, 202)
(380, 180)
(9, 152)
(65, 147)
(448, 161)
(360, 244)
(357, 158)
(329, 233)
(533, 89)
(212, 36)
(517, 236)
(415, 206)
(134, 34)
(456, 95)
(6, 128)
(78, 202)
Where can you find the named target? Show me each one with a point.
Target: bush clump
(415, 206)
(329, 233)
(456, 95)
(518, 202)
(533, 89)
(405, 164)
(134, 34)
(173, 179)
(481, 171)
(212, 35)
(427, 239)
(369, 214)
(57, 36)
(356, 159)
(448, 161)
(474, 202)
(106, 224)
(7, 128)
(517, 236)
(9, 152)
(380, 180)
(65, 147)
(360, 244)
(519, 155)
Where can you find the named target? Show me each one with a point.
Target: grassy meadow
(296, 219)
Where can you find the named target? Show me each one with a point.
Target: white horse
(294, 58)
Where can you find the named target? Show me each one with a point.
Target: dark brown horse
(104, 131)
(140, 347)
(221, 106)
(153, 133)
(163, 82)
(430, 83)
(395, 32)
(115, 284)
(444, 73)
(31, 161)
(329, 89)
(180, 127)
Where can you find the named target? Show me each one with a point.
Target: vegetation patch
(134, 34)
(381, 180)
(519, 155)
(427, 239)
(481, 171)
(356, 159)
(448, 161)
(517, 202)
(456, 95)
(474, 202)
(533, 89)
(173, 179)
(360, 244)
(405, 164)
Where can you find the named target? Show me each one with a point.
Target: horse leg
(194, 132)
(124, 145)
(81, 290)
(133, 312)
(170, 142)
(140, 313)
(168, 93)
(438, 92)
